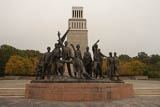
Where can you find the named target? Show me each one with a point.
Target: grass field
(154, 79)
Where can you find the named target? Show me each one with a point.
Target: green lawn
(155, 79)
(1, 78)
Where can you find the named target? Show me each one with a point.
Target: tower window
(77, 13)
(77, 25)
(85, 25)
(72, 25)
(74, 13)
(80, 25)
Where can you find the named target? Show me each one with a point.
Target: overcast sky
(124, 26)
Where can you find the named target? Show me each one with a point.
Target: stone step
(21, 92)
(139, 92)
(12, 91)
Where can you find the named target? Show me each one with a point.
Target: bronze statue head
(48, 48)
(78, 46)
(115, 54)
(110, 54)
(66, 43)
(87, 48)
(56, 45)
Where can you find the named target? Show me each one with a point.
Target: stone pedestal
(78, 92)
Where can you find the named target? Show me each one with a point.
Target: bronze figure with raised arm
(98, 59)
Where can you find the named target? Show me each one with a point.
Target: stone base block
(78, 92)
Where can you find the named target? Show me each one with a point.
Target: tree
(153, 70)
(18, 65)
(2, 63)
(154, 59)
(124, 57)
(32, 53)
(5, 52)
(143, 57)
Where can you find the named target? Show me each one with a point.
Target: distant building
(78, 33)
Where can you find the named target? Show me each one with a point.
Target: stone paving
(141, 101)
(144, 84)
(13, 83)
(140, 84)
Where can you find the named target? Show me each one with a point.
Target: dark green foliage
(124, 57)
(154, 59)
(143, 57)
(153, 70)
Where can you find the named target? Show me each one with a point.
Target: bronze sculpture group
(83, 67)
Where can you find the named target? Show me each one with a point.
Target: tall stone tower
(78, 33)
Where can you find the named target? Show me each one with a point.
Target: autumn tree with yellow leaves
(132, 68)
(18, 65)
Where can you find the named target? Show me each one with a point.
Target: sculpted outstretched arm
(66, 32)
(102, 54)
(93, 47)
(96, 43)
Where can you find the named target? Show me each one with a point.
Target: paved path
(137, 84)
(144, 84)
(13, 83)
(149, 101)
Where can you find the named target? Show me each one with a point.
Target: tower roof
(77, 7)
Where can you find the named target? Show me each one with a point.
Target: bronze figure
(47, 63)
(116, 65)
(87, 61)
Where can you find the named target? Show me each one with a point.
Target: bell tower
(78, 33)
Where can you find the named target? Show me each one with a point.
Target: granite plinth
(78, 91)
